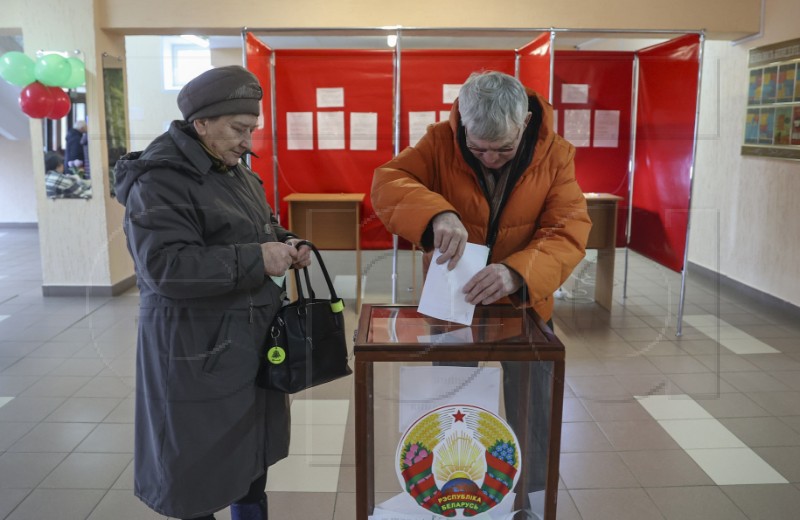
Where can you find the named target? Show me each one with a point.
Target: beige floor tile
(109, 438)
(582, 437)
(615, 504)
(665, 468)
(26, 470)
(11, 432)
(10, 498)
(573, 411)
(595, 470)
(53, 437)
(302, 506)
(788, 378)
(87, 471)
(304, 473)
(762, 431)
(695, 503)
(117, 504)
(637, 435)
(615, 409)
(64, 504)
(83, 409)
(777, 403)
(785, 459)
(697, 385)
(774, 502)
(594, 387)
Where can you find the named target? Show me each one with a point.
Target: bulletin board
(772, 125)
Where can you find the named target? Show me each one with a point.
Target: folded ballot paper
(442, 294)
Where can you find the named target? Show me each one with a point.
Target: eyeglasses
(508, 147)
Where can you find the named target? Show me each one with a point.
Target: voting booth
(331, 115)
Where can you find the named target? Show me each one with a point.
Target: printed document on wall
(299, 130)
(574, 93)
(576, 127)
(363, 130)
(330, 130)
(418, 124)
(330, 97)
(606, 128)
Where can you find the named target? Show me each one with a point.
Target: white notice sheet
(442, 295)
(330, 97)
(330, 130)
(450, 93)
(363, 130)
(576, 127)
(299, 130)
(418, 124)
(606, 128)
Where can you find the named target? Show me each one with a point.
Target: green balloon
(52, 70)
(77, 75)
(17, 69)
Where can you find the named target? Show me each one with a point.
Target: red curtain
(666, 107)
(258, 56)
(365, 78)
(609, 76)
(534, 65)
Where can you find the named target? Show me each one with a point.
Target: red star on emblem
(459, 416)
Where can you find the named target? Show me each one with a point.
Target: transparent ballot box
(457, 421)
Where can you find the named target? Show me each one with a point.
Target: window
(183, 60)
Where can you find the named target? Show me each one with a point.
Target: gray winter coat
(203, 430)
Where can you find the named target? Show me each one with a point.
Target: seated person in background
(76, 168)
(60, 185)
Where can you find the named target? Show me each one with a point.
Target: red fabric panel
(534, 65)
(424, 72)
(258, 56)
(665, 127)
(366, 77)
(609, 76)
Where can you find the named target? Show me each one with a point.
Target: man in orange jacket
(496, 174)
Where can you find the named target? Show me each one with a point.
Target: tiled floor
(703, 426)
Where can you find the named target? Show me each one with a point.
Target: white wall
(745, 210)
(151, 107)
(17, 187)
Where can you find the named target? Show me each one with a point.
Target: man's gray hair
(492, 105)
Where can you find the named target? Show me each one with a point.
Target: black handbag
(306, 345)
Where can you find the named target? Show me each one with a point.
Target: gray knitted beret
(219, 92)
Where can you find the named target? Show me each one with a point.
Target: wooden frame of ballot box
(388, 333)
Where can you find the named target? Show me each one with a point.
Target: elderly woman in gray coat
(209, 258)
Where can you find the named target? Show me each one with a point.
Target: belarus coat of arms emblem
(458, 461)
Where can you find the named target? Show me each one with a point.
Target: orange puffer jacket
(543, 228)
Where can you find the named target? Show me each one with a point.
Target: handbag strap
(337, 304)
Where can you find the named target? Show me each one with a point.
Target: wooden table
(603, 237)
(330, 221)
(390, 333)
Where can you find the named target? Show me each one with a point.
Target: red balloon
(61, 103)
(36, 100)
